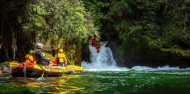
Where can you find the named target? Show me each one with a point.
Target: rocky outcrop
(144, 56)
(5, 69)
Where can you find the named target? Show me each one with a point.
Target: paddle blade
(41, 79)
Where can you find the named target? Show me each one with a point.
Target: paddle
(42, 76)
(24, 69)
(44, 69)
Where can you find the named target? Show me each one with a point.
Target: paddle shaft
(24, 69)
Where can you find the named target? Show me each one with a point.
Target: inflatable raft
(36, 70)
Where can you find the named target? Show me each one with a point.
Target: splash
(102, 60)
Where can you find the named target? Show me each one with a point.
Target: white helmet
(39, 45)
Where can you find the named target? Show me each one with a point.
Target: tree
(66, 24)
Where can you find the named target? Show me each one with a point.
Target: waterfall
(102, 60)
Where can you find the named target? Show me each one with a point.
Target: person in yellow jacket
(60, 58)
(29, 58)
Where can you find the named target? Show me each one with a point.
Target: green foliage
(120, 7)
(158, 43)
(58, 19)
(59, 23)
(133, 23)
(32, 21)
(143, 23)
(185, 53)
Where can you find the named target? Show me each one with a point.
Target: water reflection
(128, 82)
(58, 85)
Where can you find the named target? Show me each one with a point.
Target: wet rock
(5, 69)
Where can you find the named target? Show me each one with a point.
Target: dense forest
(139, 32)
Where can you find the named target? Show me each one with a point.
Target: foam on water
(104, 61)
(100, 61)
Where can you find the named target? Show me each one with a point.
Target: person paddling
(39, 55)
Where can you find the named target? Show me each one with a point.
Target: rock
(5, 69)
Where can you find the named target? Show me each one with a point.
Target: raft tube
(36, 70)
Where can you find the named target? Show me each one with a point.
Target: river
(102, 76)
(139, 80)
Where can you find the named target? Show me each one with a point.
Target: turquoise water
(103, 82)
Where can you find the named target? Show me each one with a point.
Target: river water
(129, 81)
(102, 76)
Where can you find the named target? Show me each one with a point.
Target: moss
(182, 52)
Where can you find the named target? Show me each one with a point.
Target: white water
(104, 61)
(100, 61)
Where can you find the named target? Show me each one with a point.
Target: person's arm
(42, 57)
(45, 59)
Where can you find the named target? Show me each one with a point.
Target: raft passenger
(29, 58)
(61, 58)
(39, 55)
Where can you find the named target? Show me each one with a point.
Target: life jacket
(61, 57)
(29, 58)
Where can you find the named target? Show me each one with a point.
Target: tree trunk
(14, 46)
(1, 34)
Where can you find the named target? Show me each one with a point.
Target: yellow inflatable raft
(36, 70)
